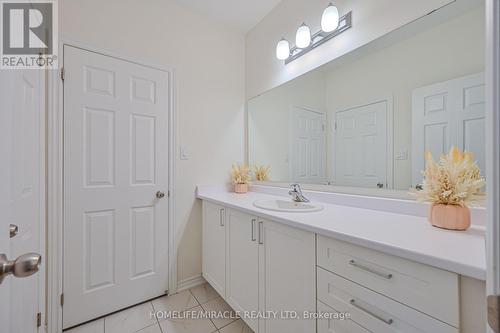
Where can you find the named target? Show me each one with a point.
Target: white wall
(269, 121)
(371, 19)
(447, 51)
(208, 59)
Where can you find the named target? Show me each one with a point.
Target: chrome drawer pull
(253, 230)
(221, 216)
(371, 270)
(261, 240)
(387, 321)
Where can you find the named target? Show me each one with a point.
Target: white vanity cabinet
(269, 267)
(262, 267)
(214, 246)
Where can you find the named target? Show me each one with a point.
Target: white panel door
(287, 276)
(242, 263)
(307, 146)
(447, 114)
(115, 160)
(22, 194)
(361, 146)
(214, 246)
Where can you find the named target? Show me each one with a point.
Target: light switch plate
(184, 153)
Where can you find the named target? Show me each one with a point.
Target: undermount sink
(288, 206)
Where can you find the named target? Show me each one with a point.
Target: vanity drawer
(376, 312)
(331, 325)
(425, 288)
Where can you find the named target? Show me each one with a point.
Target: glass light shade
(330, 19)
(283, 49)
(303, 36)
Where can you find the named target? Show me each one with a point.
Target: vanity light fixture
(330, 18)
(283, 49)
(331, 24)
(303, 36)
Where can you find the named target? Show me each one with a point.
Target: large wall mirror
(362, 123)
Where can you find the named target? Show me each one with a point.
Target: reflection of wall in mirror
(452, 49)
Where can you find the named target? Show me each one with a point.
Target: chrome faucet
(296, 193)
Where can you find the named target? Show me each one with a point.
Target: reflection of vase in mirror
(361, 123)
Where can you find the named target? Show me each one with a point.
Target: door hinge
(38, 319)
(63, 72)
(62, 299)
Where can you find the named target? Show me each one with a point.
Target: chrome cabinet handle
(160, 194)
(261, 224)
(387, 321)
(253, 230)
(221, 217)
(370, 270)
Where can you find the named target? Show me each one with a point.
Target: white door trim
(493, 146)
(389, 99)
(55, 182)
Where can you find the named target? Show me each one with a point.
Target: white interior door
(307, 146)
(115, 161)
(361, 146)
(445, 114)
(22, 194)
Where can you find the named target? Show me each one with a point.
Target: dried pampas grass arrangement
(240, 174)
(451, 185)
(261, 172)
(454, 180)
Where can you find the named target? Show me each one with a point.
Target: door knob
(13, 229)
(25, 265)
(380, 185)
(160, 194)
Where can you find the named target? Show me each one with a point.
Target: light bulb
(283, 49)
(330, 18)
(303, 36)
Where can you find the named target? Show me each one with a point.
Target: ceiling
(240, 14)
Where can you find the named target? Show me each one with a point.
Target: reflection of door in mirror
(307, 151)
(446, 114)
(361, 146)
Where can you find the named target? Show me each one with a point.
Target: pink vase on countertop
(241, 188)
(450, 217)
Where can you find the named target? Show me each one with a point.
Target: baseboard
(190, 282)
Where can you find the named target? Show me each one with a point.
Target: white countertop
(407, 236)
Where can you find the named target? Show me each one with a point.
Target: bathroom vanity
(391, 272)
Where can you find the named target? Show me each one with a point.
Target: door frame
(493, 147)
(55, 176)
(291, 136)
(389, 174)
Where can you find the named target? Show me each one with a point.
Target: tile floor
(139, 320)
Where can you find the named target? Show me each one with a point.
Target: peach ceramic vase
(452, 217)
(241, 188)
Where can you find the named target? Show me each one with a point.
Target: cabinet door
(287, 277)
(242, 264)
(214, 246)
